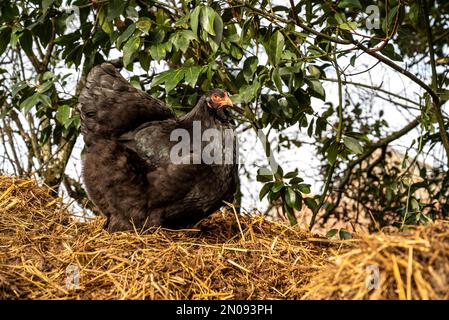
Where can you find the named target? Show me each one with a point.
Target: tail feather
(110, 106)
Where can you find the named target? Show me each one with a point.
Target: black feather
(127, 169)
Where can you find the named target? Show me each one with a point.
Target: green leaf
(26, 41)
(352, 60)
(353, 144)
(130, 48)
(277, 79)
(276, 47)
(349, 25)
(218, 29)
(144, 59)
(291, 198)
(157, 51)
(264, 178)
(311, 203)
(106, 25)
(115, 8)
(173, 81)
(191, 75)
(207, 20)
(277, 186)
(181, 40)
(344, 234)
(304, 188)
(291, 174)
(5, 36)
(291, 216)
(265, 189)
(317, 88)
(46, 4)
(314, 71)
(63, 114)
(144, 24)
(350, 4)
(389, 52)
(331, 233)
(44, 87)
(45, 100)
(415, 205)
(125, 35)
(194, 19)
(296, 180)
(332, 153)
(16, 88)
(249, 68)
(29, 103)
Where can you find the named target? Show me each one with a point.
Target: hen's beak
(226, 101)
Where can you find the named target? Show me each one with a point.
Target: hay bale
(393, 265)
(43, 250)
(226, 257)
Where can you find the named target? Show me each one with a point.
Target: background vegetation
(278, 59)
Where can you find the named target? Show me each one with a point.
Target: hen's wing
(168, 179)
(110, 106)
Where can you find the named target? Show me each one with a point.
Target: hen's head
(218, 99)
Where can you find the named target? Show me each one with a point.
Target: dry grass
(225, 257)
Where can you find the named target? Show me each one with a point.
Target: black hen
(128, 170)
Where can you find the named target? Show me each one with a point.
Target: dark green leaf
(218, 29)
(291, 174)
(125, 35)
(331, 233)
(310, 202)
(290, 197)
(350, 4)
(296, 180)
(145, 60)
(5, 36)
(304, 188)
(249, 68)
(344, 234)
(332, 153)
(389, 52)
(115, 8)
(265, 189)
(264, 178)
(277, 186)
